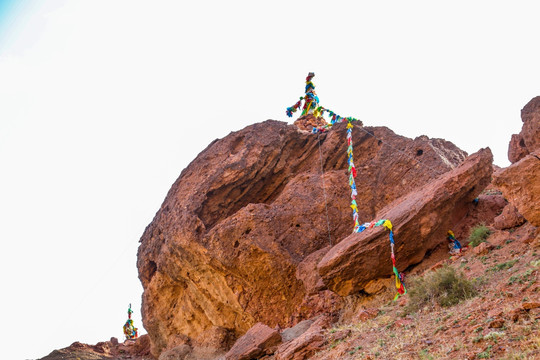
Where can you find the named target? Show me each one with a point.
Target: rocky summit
(252, 254)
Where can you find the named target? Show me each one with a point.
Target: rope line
(324, 189)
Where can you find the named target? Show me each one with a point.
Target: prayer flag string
(311, 106)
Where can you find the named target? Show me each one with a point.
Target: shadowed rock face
(222, 252)
(421, 220)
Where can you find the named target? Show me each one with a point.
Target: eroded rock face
(260, 340)
(224, 248)
(305, 345)
(520, 184)
(420, 219)
(528, 140)
(509, 218)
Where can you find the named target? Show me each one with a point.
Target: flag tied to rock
(311, 106)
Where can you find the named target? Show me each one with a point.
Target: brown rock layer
(223, 251)
(420, 221)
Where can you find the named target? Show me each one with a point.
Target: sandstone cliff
(239, 235)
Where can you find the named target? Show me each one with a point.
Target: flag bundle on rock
(130, 331)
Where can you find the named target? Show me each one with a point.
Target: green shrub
(478, 235)
(503, 266)
(444, 286)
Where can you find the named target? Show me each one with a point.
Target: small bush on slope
(478, 235)
(445, 286)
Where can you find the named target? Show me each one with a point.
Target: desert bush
(478, 235)
(445, 286)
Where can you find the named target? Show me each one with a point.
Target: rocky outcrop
(528, 140)
(509, 218)
(260, 340)
(421, 220)
(105, 350)
(306, 344)
(223, 252)
(520, 183)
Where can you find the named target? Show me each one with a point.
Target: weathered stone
(225, 246)
(482, 249)
(306, 344)
(517, 149)
(528, 140)
(530, 115)
(306, 272)
(520, 183)
(420, 221)
(366, 314)
(496, 324)
(530, 305)
(308, 122)
(104, 350)
(258, 341)
(488, 206)
(297, 330)
(509, 218)
(516, 314)
(376, 286)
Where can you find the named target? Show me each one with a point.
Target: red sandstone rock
(420, 220)
(105, 350)
(496, 324)
(308, 122)
(528, 140)
(530, 115)
(520, 183)
(224, 249)
(490, 205)
(258, 341)
(509, 218)
(306, 344)
(482, 249)
(517, 149)
(297, 330)
(530, 305)
(367, 314)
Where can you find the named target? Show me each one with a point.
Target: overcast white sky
(103, 103)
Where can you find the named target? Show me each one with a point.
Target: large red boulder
(223, 250)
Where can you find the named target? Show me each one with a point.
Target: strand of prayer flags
(400, 286)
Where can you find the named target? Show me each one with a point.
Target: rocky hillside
(251, 255)
(237, 237)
